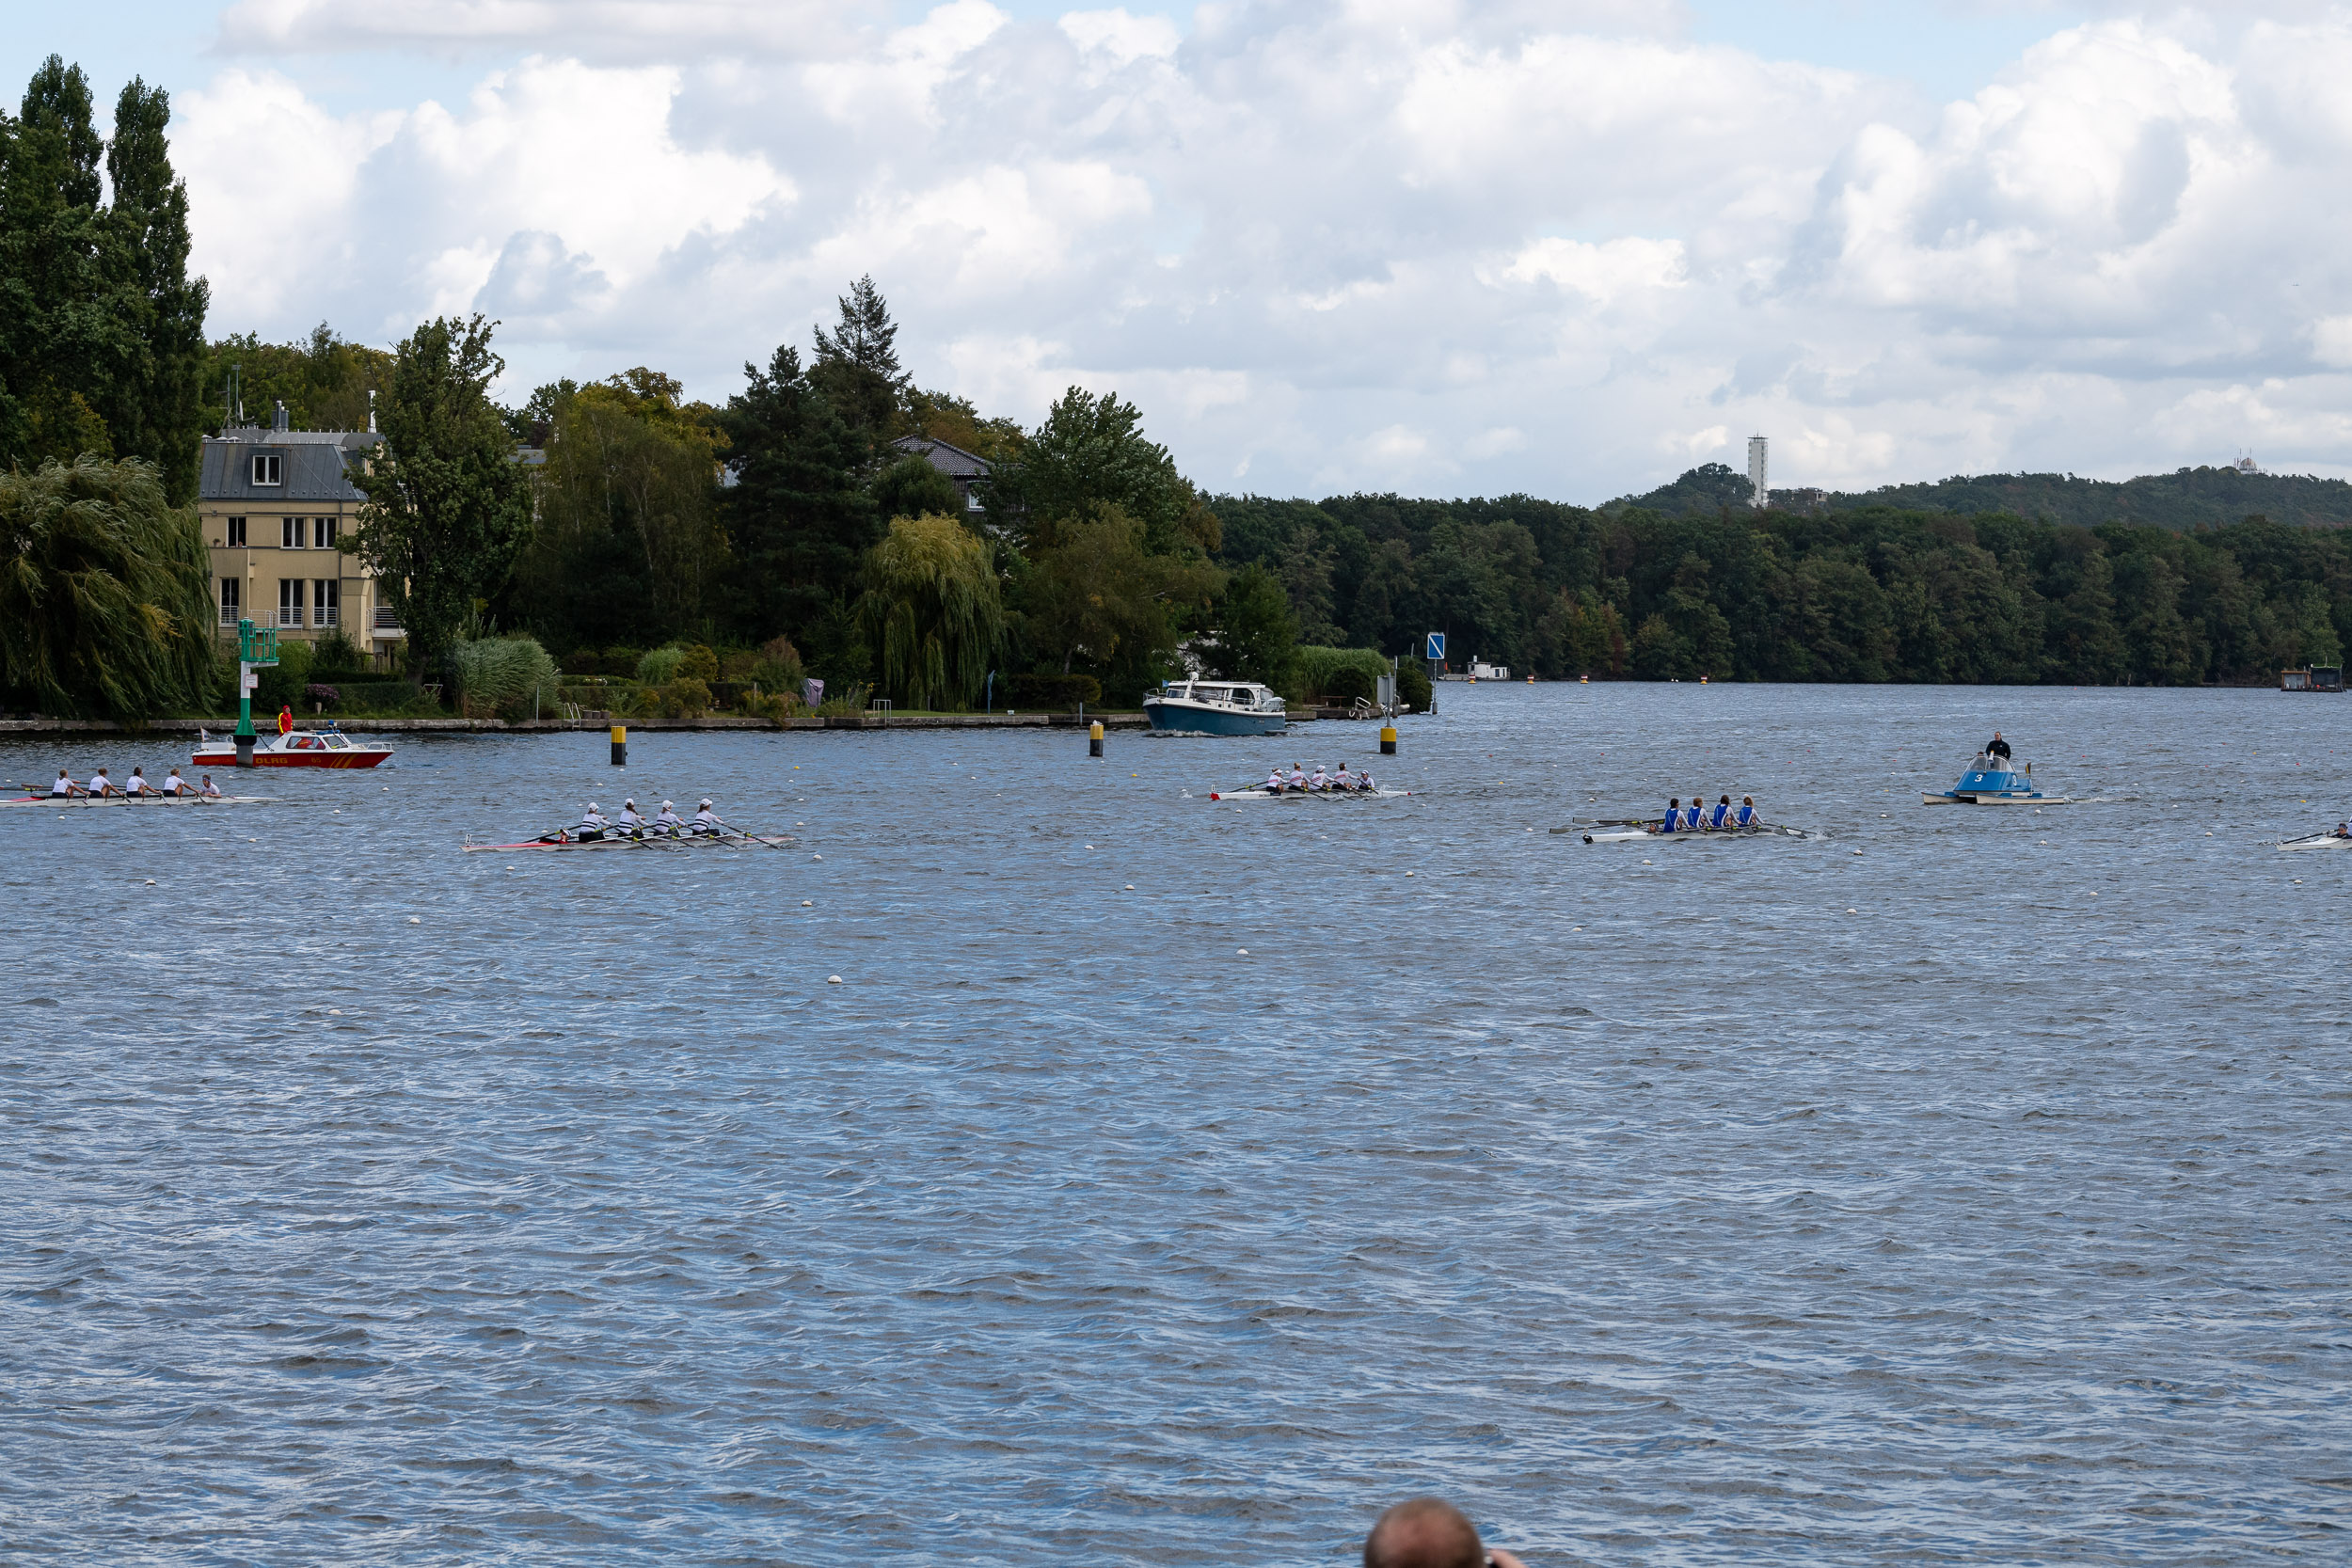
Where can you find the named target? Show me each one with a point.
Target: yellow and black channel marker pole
(1094, 740)
(1388, 740)
(620, 745)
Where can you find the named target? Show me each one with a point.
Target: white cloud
(1344, 246)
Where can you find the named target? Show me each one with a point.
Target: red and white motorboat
(302, 749)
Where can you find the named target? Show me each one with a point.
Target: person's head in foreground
(1429, 1532)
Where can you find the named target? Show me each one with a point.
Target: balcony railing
(387, 621)
(326, 616)
(229, 614)
(288, 615)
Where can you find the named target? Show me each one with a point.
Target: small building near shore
(968, 470)
(277, 508)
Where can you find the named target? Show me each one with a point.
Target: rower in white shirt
(100, 787)
(1343, 780)
(592, 824)
(1273, 784)
(706, 820)
(1321, 782)
(175, 785)
(137, 785)
(630, 822)
(667, 819)
(1299, 777)
(64, 786)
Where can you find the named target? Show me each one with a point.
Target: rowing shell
(1310, 795)
(735, 842)
(1644, 835)
(77, 801)
(2316, 841)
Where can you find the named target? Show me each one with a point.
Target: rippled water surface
(1966, 1186)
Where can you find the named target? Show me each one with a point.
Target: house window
(236, 534)
(326, 598)
(290, 601)
(231, 599)
(323, 530)
(291, 532)
(267, 468)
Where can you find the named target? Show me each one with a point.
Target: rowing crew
(1700, 817)
(665, 823)
(1299, 781)
(132, 788)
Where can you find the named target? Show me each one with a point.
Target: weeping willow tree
(105, 593)
(933, 608)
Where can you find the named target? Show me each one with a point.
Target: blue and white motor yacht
(1215, 707)
(1990, 782)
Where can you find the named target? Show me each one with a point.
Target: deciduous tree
(447, 508)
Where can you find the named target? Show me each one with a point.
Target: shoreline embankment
(549, 726)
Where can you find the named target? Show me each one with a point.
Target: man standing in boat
(1999, 750)
(285, 720)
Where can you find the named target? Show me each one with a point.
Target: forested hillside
(2183, 498)
(1872, 593)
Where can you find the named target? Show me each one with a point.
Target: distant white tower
(1757, 476)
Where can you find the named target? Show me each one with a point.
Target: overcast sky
(1569, 248)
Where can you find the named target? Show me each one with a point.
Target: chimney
(371, 410)
(278, 420)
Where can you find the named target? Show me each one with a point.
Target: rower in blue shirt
(1719, 819)
(1673, 816)
(1745, 817)
(1693, 815)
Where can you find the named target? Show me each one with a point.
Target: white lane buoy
(334, 1012)
(414, 921)
(833, 979)
(1857, 851)
(1242, 951)
(1090, 845)
(151, 881)
(1854, 911)
(1131, 887)
(1408, 872)
(808, 903)
(816, 857)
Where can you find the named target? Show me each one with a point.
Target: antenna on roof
(371, 410)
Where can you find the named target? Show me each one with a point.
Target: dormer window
(266, 468)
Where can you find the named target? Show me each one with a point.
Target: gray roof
(948, 458)
(317, 465)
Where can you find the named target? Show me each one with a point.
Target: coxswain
(667, 820)
(64, 786)
(208, 789)
(175, 785)
(1719, 817)
(1745, 815)
(1298, 778)
(632, 823)
(593, 825)
(1364, 783)
(1674, 817)
(706, 820)
(1998, 748)
(137, 785)
(100, 787)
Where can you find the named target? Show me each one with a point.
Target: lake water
(1979, 1196)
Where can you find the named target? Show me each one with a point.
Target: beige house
(277, 505)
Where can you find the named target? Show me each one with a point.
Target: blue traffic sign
(1437, 645)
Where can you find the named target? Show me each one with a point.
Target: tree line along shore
(617, 544)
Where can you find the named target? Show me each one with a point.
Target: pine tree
(857, 365)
